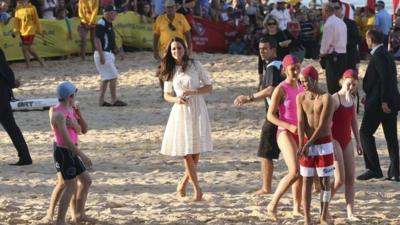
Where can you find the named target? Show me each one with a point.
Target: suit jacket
(380, 81)
(353, 38)
(7, 79)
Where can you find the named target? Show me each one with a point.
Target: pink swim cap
(350, 73)
(310, 71)
(289, 60)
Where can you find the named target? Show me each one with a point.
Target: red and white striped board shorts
(319, 159)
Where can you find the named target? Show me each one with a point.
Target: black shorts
(268, 146)
(67, 163)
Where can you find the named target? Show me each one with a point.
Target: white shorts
(319, 160)
(107, 71)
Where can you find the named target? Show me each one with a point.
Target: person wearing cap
(167, 26)
(315, 152)
(73, 180)
(381, 103)
(282, 112)
(333, 47)
(7, 120)
(281, 13)
(344, 121)
(383, 21)
(87, 11)
(271, 77)
(104, 57)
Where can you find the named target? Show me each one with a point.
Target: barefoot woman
(188, 131)
(284, 101)
(343, 122)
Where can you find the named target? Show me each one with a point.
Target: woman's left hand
(188, 93)
(359, 149)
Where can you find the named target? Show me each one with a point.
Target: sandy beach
(133, 183)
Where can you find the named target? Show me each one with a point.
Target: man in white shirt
(281, 13)
(333, 47)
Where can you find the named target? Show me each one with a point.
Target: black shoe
(21, 163)
(367, 175)
(394, 178)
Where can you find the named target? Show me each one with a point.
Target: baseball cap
(350, 73)
(169, 3)
(110, 8)
(65, 89)
(310, 71)
(289, 60)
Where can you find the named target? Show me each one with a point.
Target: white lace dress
(188, 129)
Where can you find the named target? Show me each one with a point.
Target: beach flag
(371, 4)
(395, 6)
(348, 10)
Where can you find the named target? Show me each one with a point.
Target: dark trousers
(335, 65)
(8, 122)
(372, 119)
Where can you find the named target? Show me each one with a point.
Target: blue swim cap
(65, 89)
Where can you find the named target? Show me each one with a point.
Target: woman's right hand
(180, 100)
(293, 129)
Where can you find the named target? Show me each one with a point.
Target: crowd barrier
(130, 31)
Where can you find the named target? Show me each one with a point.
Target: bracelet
(250, 97)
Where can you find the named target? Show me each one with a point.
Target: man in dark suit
(382, 102)
(7, 82)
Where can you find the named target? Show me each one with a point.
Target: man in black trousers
(382, 102)
(7, 82)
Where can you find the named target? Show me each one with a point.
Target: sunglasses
(270, 24)
(171, 26)
(337, 7)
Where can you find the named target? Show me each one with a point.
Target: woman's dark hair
(168, 62)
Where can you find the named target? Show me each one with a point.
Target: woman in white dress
(188, 131)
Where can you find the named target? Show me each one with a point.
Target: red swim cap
(289, 60)
(350, 73)
(310, 71)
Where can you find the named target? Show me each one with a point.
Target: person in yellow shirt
(87, 11)
(168, 26)
(27, 25)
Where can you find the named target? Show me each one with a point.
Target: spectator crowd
(298, 24)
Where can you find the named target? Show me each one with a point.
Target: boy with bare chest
(314, 111)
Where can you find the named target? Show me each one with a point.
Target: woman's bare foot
(84, 219)
(353, 218)
(272, 213)
(262, 192)
(198, 195)
(297, 213)
(48, 219)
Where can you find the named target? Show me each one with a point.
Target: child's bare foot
(181, 189)
(272, 213)
(198, 195)
(262, 192)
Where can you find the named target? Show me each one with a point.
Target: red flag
(395, 6)
(371, 4)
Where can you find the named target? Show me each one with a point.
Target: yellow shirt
(26, 20)
(88, 10)
(161, 28)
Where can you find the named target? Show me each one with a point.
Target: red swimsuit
(341, 124)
